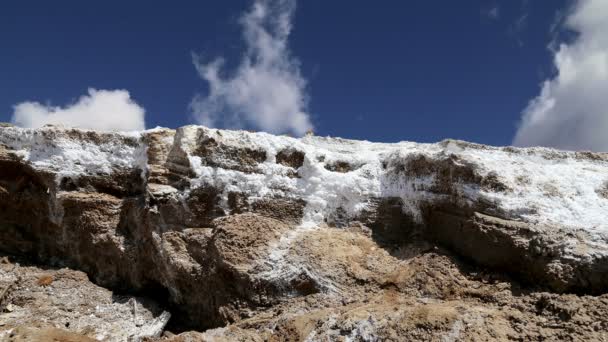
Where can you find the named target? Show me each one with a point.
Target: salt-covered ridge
(542, 185)
(195, 210)
(71, 152)
(548, 186)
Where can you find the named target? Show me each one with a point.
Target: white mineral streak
(547, 189)
(532, 173)
(547, 186)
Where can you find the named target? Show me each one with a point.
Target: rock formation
(250, 236)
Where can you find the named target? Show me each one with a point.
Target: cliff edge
(251, 236)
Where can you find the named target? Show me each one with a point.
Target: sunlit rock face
(259, 232)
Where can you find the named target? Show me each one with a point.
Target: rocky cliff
(252, 236)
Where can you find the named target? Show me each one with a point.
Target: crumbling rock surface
(252, 236)
(49, 304)
(417, 292)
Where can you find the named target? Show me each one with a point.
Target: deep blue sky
(389, 70)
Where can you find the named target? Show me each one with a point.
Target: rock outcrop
(63, 305)
(262, 237)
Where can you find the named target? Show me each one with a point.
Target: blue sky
(396, 70)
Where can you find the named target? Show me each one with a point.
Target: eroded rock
(278, 238)
(290, 157)
(63, 305)
(226, 156)
(535, 254)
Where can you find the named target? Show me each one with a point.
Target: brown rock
(218, 254)
(290, 157)
(217, 154)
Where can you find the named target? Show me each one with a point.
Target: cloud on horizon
(105, 110)
(571, 111)
(266, 91)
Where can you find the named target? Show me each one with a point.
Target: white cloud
(494, 12)
(518, 27)
(266, 91)
(106, 110)
(571, 111)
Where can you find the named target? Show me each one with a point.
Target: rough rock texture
(63, 305)
(261, 237)
(419, 293)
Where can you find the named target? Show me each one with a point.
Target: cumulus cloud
(266, 91)
(106, 110)
(571, 111)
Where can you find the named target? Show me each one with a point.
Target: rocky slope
(252, 236)
(63, 305)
